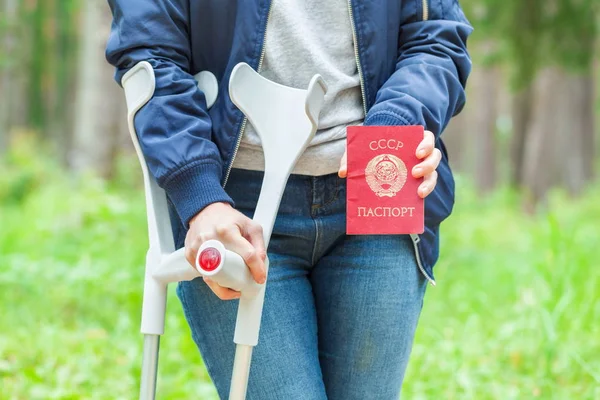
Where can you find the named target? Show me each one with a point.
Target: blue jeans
(340, 311)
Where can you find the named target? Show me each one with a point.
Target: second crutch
(286, 120)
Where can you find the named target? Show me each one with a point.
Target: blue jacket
(412, 60)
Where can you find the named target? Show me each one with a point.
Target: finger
(343, 172)
(429, 165)
(233, 240)
(254, 234)
(426, 146)
(192, 246)
(428, 184)
(222, 292)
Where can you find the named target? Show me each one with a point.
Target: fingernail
(421, 153)
(417, 171)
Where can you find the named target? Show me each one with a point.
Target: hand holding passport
(382, 192)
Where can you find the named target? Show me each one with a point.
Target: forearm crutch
(285, 120)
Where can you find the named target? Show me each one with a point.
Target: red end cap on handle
(210, 259)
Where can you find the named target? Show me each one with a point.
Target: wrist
(216, 207)
(193, 187)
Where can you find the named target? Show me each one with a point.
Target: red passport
(382, 195)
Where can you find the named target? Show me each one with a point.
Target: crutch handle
(229, 270)
(225, 267)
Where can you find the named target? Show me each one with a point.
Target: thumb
(343, 171)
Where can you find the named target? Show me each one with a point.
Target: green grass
(515, 315)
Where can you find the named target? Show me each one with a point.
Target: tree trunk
(577, 132)
(455, 139)
(19, 107)
(589, 126)
(85, 136)
(485, 96)
(100, 102)
(521, 117)
(61, 125)
(112, 104)
(541, 167)
(6, 74)
(555, 146)
(38, 68)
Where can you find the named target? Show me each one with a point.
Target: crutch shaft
(241, 372)
(149, 367)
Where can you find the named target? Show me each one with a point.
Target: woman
(340, 311)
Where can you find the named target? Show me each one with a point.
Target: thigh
(285, 364)
(369, 294)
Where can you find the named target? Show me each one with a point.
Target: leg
(285, 364)
(369, 294)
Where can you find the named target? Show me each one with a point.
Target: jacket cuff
(385, 118)
(193, 188)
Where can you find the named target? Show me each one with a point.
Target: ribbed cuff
(385, 118)
(194, 187)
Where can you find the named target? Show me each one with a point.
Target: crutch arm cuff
(194, 187)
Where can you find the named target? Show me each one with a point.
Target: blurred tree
(562, 115)
(521, 115)
(471, 136)
(101, 112)
(7, 22)
(486, 81)
(456, 139)
(549, 48)
(19, 57)
(65, 62)
(474, 144)
(39, 60)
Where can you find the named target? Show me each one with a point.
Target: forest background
(516, 311)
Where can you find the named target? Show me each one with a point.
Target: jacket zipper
(416, 239)
(245, 120)
(356, 54)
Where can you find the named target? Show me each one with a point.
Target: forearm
(174, 128)
(427, 87)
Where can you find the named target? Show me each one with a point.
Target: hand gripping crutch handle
(229, 270)
(225, 267)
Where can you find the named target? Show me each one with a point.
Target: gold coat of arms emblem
(386, 175)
